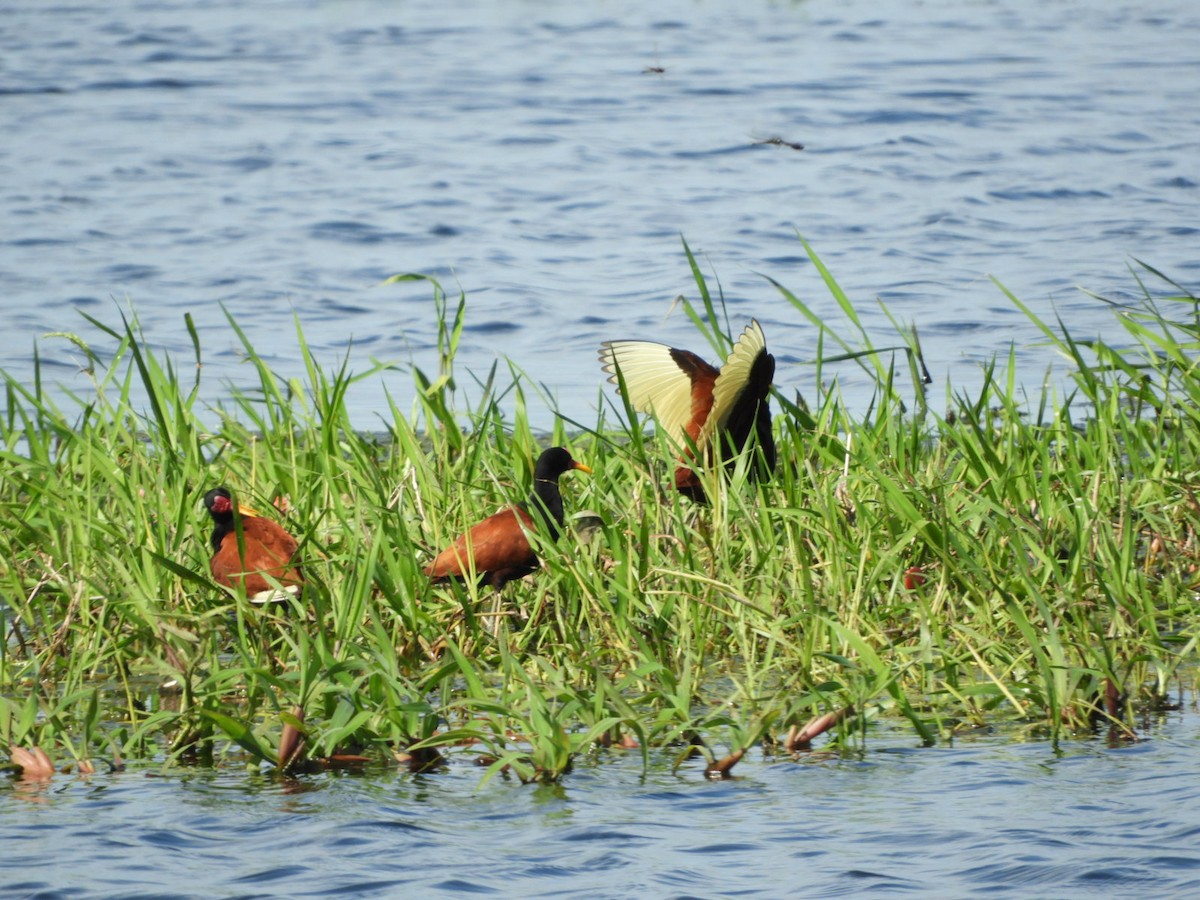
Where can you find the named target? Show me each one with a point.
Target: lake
(982, 816)
(281, 159)
(278, 160)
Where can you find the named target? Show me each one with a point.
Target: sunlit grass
(1025, 562)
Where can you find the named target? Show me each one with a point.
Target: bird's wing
(269, 548)
(499, 541)
(269, 557)
(654, 382)
(734, 378)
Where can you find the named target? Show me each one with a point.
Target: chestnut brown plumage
(498, 548)
(268, 569)
(697, 405)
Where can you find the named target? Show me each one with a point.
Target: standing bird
(697, 405)
(498, 548)
(267, 569)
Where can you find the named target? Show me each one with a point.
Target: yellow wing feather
(654, 383)
(732, 380)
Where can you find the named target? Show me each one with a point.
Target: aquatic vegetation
(1017, 562)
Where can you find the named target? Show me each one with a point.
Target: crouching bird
(713, 410)
(267, 569)
(497, 550)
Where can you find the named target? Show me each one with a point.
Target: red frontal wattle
(221, 505)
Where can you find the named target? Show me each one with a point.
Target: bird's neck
(221, 527)
(546, 504)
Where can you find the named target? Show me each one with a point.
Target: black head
(219, 503)
(553, 462)
(545, 499)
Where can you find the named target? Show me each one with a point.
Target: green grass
(1050, 546)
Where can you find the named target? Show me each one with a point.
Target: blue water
(983, 816)
(280, 159)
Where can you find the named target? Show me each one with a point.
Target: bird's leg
(492, 625)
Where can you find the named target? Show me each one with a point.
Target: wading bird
(267, 569)
(714, 410)
(497, 550)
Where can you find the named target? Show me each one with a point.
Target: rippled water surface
(981, 817)
(281, 158)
